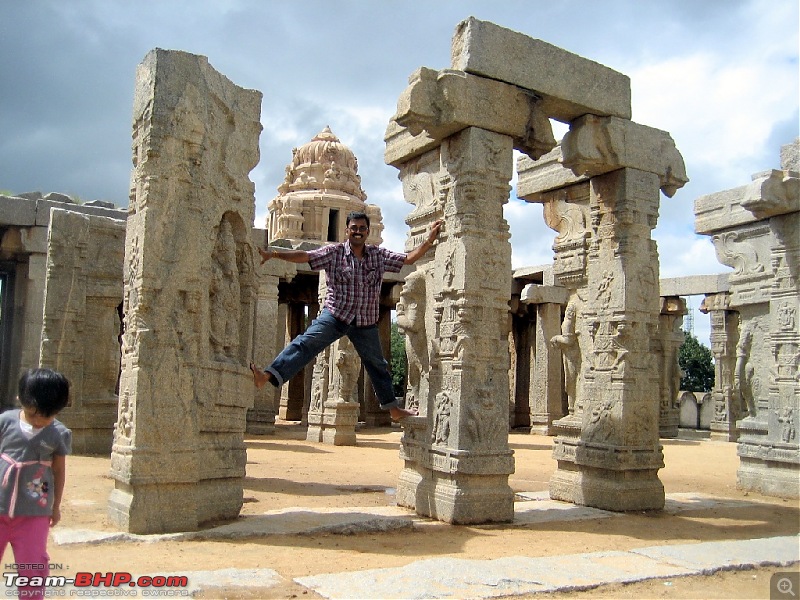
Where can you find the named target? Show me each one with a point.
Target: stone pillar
(293, 391)
(664, 346)
(756, 230)
(333, 413)
(522, 346)
(457, 458)
(178, 458)
(608, 449)
(547, 381)
(728, 406)
(81, 321)
(373, 416)
(261, 418)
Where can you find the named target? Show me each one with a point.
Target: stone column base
(142, 511)
(465, 499)
(335, 425)
(607, 490)
(260, 422)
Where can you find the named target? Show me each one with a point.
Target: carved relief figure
(745, 380)
(224, 296)
(785, 418)
(600, 425)
(411, 321)
(570, 352)
(320, 380)
(786, 316)
(441, 418)
(609, 352)
(349, 367)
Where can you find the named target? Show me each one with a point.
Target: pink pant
(28, 537)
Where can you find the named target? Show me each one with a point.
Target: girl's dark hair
(45, 390)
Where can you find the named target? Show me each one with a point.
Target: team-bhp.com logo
(98, 584)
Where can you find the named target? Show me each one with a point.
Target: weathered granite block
(570, 85)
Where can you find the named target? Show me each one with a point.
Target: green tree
(697, 365)
(399, 366)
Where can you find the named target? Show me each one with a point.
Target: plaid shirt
(354, 285)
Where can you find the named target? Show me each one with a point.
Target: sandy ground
(284, 471)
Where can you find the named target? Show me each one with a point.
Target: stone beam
(442, 103)
(771, 193)
(569, 85)
(535, 178)
(694, 285)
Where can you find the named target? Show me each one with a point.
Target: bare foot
(398, 414)
(259, 377)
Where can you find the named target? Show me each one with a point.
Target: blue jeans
(322, 332)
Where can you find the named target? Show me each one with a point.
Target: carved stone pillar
(614, 465)
(457, 458)
(521, 343)
(293, 391)
(373, 416)
(728, 405)
(664, 346)
(178, 458)
(261, 418)
(81, 322)
(756, 230)
(547, 392)
(333, 414)
(566, 211)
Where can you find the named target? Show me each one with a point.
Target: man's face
(357, 232)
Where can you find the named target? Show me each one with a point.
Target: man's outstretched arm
(295, 256)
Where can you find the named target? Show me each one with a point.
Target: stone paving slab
(711, 556)
(286, 521)
(448, 577)
(535, 507)
(458, 578)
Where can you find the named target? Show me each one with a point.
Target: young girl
(33, 449)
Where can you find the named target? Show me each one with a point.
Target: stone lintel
(535, 274)
(538, 177)
(27, 212)
(721, 210)
(570, 85)
(596, 145)
(19, 212)
(544, 294)
(694, 285)
(43, 211)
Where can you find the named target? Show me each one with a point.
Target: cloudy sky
(720, 75)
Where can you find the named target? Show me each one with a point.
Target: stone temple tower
(322, 185)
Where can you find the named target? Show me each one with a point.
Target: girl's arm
(59, 476)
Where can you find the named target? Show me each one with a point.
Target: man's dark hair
(45, 390)
(355, 215)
